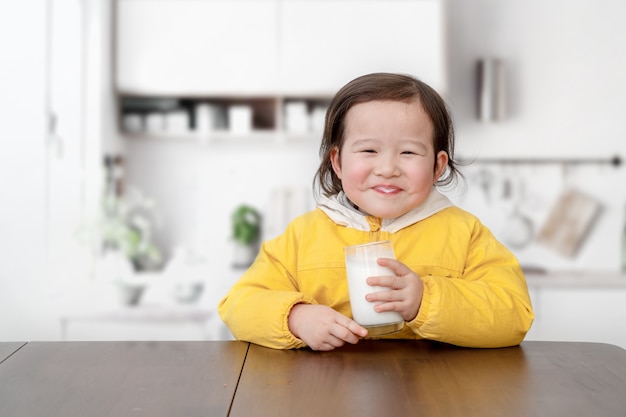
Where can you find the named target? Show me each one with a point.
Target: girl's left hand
(405, 290)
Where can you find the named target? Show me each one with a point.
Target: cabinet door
(196, 47)
(583, 314)
(325, 43)
(73, 160)
(22, 160)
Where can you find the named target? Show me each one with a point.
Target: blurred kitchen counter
(537, 279)
(578, 306)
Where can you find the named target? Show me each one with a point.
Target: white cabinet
(243, 47)
(324, 44)
(579, 308)
(588, 314)
(194, 47)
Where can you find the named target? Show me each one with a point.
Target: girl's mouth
(386, 189)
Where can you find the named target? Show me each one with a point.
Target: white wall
(566, 94)
(198, 186)
(565, 75)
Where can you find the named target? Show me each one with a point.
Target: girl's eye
(408, 153)
(368, 151)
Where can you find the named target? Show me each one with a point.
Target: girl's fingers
(396, 266)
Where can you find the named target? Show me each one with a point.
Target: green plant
(246, 225)
(126, 226)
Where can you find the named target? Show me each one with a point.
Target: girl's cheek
(359, 173)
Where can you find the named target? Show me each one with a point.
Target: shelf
(225, 138)
(213, 119)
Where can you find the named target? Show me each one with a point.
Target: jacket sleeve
(488, 306)
(256, 309)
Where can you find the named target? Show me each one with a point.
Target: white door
(65, 143)
(22, 157)
(41, 162)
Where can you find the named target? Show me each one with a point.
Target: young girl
(388, 142)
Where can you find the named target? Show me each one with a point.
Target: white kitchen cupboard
(585, 307)
(66, 144)
(209, 47)
(196, 47)
(324, 43)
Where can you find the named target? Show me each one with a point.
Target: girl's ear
(441, 162)
(335, 161)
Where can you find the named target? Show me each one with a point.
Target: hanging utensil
(518, 228)
(570, 222)
(485, 180)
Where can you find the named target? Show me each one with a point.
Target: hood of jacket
(342, 212)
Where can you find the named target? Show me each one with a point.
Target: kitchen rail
(616, 161)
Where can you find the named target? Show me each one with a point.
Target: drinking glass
(361, 263)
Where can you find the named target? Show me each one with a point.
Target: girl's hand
(405, 290)
(323, 328)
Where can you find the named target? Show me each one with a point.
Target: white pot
(244, 255)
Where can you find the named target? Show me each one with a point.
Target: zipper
(375, 224)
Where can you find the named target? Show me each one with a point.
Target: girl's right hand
(323, 328)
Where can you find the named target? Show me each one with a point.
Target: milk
(361, 263)
(362, 310)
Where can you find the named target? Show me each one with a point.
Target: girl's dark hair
(383, 86)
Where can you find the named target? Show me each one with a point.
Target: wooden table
(373, 378)
(8, 348)
(92, 379)
(431, 379)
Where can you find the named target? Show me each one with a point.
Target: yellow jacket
(475, 293)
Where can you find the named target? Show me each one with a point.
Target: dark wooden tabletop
(8, 348)
(404, 378)
(92, 379)
(373, 378)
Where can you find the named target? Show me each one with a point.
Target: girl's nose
(387, 167)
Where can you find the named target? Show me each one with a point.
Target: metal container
(491, 86)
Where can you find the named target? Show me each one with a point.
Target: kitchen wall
(564, 93)
(565, 79)
(197, 187)
(565, 89)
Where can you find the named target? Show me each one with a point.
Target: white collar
(342, 212)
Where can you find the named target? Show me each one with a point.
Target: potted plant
(127, 227)
(125, 243)
(246, 233)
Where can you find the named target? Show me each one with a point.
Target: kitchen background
(161, 118)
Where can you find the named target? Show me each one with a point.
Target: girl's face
(387, 164)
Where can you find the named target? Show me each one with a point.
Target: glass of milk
(361, 263)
